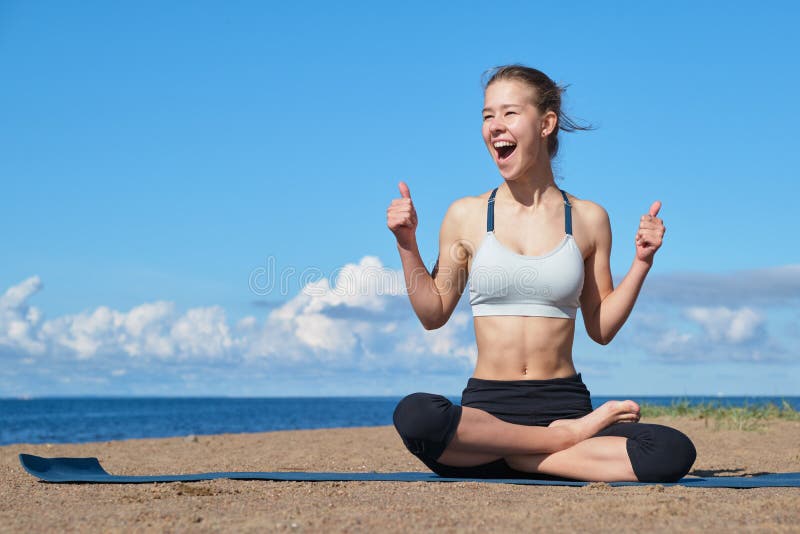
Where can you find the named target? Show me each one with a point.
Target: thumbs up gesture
(650, 234)
(401, 217)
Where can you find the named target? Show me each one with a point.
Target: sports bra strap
(567, 213)
(490, 213)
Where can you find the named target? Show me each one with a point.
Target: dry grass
(747, 417)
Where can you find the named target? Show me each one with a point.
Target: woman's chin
(508, 169)
(508, 174)
(513, 171)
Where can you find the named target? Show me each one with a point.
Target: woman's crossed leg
(605, 445)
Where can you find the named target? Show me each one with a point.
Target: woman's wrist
(642, 266)
(408, 246)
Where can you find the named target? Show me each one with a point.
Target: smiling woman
(545, 96)
(544, 253)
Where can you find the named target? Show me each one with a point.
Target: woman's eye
(511, 112)
(487, 117)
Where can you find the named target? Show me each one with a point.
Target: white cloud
(725, 324)
(706, 334)
(302, 324)
(768, 286)
(355, 321)
(146, 330)
(149, 330)
(202, 332)
(447, 341)
(18, 320)
(672, 342)
(361, 321)
(16, 296)
(717, 317)
(359, 285)
(319, 332)
(86, 334)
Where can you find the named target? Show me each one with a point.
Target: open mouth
(504, 149)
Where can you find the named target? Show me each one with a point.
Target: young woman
(533, 255)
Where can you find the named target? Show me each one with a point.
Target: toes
(630, 406)
(623, 406)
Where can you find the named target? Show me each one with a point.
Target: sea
(86, 419)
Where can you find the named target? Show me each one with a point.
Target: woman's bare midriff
(512, 347)
(523, 348)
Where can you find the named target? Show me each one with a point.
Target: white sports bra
(503, 282)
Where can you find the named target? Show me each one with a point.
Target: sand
(27, 505)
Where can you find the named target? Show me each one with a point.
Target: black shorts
(427, 423)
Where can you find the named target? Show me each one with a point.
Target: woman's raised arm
(433, 295)
(604, 308)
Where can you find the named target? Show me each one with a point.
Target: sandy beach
(27, 505)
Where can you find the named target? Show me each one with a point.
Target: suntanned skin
(529, 220)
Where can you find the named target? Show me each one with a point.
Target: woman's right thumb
(404, 192)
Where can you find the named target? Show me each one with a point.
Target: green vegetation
(747, 417)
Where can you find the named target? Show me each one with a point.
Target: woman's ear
(549, 122)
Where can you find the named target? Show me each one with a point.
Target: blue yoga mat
(90, 470)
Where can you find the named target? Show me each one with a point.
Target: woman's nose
(496, 125)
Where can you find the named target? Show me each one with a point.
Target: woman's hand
(650, 234)
(401, 217)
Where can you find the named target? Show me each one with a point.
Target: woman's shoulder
(588, 210)
(468, 207)
(591, 224)
(474, 199)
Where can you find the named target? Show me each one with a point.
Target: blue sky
(159, 159)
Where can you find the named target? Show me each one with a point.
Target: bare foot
(606, 415)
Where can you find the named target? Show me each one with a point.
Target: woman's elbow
(432, 321)
(432, 324)
(604, 341)
(433, 317)
(599, 338)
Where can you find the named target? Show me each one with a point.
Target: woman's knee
(426, 423)
(661, 454)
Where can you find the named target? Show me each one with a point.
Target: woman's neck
(531, 190)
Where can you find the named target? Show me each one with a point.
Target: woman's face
(513, 129)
